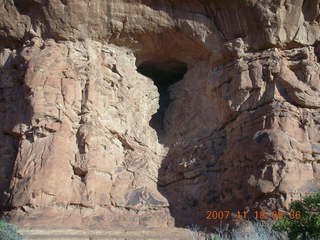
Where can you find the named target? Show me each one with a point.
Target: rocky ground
(69, 234)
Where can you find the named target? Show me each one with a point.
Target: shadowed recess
(164, 74)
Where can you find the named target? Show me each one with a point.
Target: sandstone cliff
(143, 112)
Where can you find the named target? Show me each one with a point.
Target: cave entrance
(164, 74)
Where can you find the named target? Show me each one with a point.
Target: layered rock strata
(239, 128)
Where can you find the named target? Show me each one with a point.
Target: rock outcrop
(150, 113)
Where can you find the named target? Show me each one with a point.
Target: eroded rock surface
(239, 127)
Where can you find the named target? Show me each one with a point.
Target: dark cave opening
(164, 74)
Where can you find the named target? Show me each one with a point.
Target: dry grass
(257, 231)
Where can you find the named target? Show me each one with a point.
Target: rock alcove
(164, 73)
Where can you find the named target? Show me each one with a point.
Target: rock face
(151, 112)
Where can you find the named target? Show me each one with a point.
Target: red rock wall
(77, 148)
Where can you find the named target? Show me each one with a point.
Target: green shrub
(304, 219)
(9, 232)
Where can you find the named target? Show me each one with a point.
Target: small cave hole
(25, 6)
(164, 74)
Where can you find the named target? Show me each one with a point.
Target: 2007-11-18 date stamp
(246, 214)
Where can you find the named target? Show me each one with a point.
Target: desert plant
(194, 232)
(260, 230)
(9, 232)
(303, 222)
(197, 234)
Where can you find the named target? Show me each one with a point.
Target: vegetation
(259, 231)
(9, 232)
(303, 222)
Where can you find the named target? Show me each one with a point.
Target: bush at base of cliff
(304, 221)
(256, 231)
(9, 232)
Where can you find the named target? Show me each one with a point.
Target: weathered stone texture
(76, 144)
